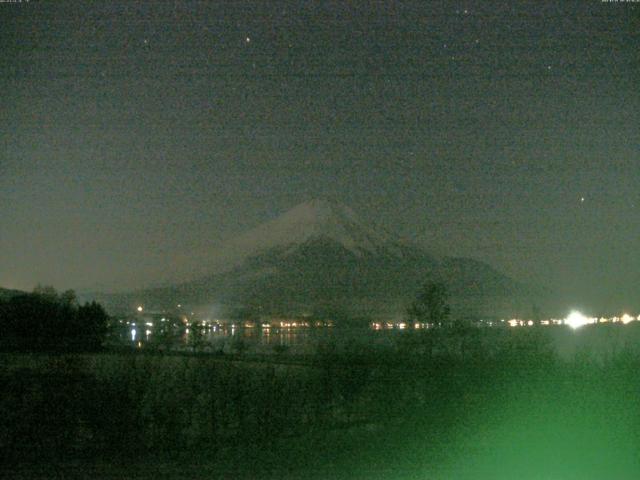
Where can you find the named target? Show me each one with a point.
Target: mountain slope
(314, 219)
(319, 258)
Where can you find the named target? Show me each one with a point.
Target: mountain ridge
(319, 257)
(317, 217)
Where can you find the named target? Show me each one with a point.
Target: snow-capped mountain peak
(311, 220)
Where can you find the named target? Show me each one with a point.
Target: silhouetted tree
(68, 297)
(431, 305)
(536, 315)
(44, 320)
(196, 337)
(92, 323)
(46, 291)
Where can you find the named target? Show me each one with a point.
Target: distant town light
(576, 320)
(626, 318)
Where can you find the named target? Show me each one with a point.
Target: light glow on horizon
(576, 320)
(626, 318)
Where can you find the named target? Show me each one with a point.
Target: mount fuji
(320, 259)
(318, 219)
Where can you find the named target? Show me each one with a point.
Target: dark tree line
(47, 321)
(431, 305)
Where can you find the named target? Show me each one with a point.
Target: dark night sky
(136, 132)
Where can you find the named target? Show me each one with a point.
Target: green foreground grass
(519, 413)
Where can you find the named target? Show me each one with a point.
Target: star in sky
(346, 103)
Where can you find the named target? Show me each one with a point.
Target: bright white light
(576, 320)
(133, 334)
(139, 308)
(626, 318)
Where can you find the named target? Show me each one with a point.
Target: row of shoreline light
(574, 320)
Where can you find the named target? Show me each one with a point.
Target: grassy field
(519, 412)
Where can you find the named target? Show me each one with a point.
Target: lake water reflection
(601, 340)
(230, 339)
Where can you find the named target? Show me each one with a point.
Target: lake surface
(603, 341)
(256, 340)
